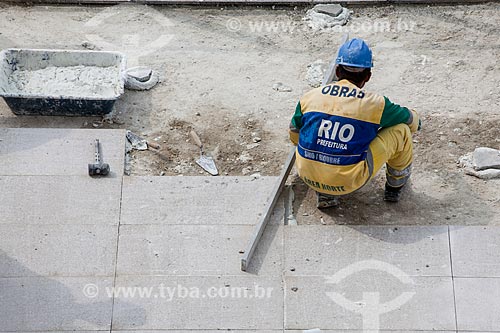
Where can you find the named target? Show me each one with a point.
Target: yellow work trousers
(393, 146)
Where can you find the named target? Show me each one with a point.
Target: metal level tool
(271, 202)
(98, 168)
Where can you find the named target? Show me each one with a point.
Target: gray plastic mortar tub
(36, 103)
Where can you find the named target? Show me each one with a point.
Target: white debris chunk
(483, 163)
(466, 161)
(486, 158)
(253, 145)
(315, 73)
(484, 174)
(281, 87)
(329, 9)
(141, 78)
(140, 73)
(320, 18)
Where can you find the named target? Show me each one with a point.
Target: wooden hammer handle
(196, 138)
(154, 145)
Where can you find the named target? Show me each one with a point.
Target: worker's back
(339, 121)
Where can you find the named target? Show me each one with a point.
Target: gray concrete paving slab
(204, 331)
(53, 250)
(361, 331)
(201, 303)
(53, 304)
(194, 200)
(252, 2)
(322, 250)
(478, 306)
(52, 152)
(196, 250)
(486, 158)
(434, 1)
(78, 2)
(475, 251)
(59, 200)
(361, 299)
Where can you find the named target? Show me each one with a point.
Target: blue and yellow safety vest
(332, 127)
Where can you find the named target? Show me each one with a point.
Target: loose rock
(245, 171)
(133, 77)
(140, 73)
(483, 163)
(245, 157)
(329, 9)
(281, 87)
(484, 174)
(486, 158)
(255, 175)
(88, 45)
(253, 145)
(315, 73)
(317, 19)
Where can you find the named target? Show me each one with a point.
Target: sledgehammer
(98, 168)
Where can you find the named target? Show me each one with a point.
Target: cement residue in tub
(73, 81)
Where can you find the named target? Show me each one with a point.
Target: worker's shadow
(36, 303)
(366, 207)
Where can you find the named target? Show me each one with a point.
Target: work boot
(326, 201)
(392, 194)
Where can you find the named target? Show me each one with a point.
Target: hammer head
(98, 169)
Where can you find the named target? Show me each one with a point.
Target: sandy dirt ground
(218, 67)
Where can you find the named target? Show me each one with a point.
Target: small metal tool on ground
(98, 168)
(136, 141)
(139, 143)
(206, 162)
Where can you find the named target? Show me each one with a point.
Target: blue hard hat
(355, 53)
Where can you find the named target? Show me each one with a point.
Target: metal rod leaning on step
(271, 202)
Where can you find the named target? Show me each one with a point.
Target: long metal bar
(271, 202)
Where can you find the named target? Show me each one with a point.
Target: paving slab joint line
(453, 280)
(243, 274)
(283, 270)
(100, 276)
(409, 275)
(116, 253)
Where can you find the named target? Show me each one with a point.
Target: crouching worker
(344, 134)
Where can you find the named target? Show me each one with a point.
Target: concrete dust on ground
(217, 77)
